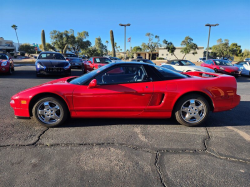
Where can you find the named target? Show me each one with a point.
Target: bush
(160, 58)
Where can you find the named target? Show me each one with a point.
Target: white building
(7, 46)
(193, 58)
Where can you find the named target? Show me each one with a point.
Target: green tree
(222, 48)
(188, 46)
(235, 49)
(15, 28)
(48, 47)
(91, 51)
(107, 42)
(170, 47)
(101, 48)
(27, 48)
(75, 44)
(246, 53)
(151, 45)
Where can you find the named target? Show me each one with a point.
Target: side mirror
(92, 84)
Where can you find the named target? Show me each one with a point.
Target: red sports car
(6, 64)
(94, 63)
(221, 66)
(129, 90)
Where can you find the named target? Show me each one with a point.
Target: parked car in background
(143, 60)
(94, 63)
(139, 57)
(221, 66)
(129, 90)
(201, 59)
(115, 59)
(244, 67)
(184, 66)
(54, 63)
(6, 64)
(247, 59)
(74, 60)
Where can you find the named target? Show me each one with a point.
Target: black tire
(83, 70)
(10, 71)
(180, 114)
(61, 113)
(216, 71)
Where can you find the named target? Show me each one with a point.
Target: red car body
(149, 99)
(94, 63)
(221, 66)
(6, 64)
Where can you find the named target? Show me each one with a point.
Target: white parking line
(241, 133)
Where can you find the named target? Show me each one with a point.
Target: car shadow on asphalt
(243, 78)
(27, 74)
(87, 122)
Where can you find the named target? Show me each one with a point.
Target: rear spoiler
(201, 74)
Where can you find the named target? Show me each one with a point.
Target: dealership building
(163, 53)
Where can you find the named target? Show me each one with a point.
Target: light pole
(125, 38)
(209, 25)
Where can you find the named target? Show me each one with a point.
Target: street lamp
(125, 37)
(209, 25)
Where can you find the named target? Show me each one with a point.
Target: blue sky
(170, 19)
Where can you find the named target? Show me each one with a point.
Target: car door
(122, 91)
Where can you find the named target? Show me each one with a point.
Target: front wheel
(50, 111)
(192, 110)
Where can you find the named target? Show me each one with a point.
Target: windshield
(187, 63)
(223, 63)
(102, 60)
(3, 57)
(82, 79)
(51, 56)
(166, 73)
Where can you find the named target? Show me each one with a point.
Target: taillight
(67, 59)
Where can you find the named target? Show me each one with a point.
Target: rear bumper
(228, 104)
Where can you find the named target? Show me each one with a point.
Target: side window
(175, 63)
(122, 74)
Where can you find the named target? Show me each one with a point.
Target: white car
(115, 59)
(244, 67)
(185, 66)
(201, 59)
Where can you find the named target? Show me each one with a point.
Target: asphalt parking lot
(122, 152)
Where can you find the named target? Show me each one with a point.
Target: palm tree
(15, 28)
(107, 42)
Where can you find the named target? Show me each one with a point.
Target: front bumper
(53, 71)
(20, 111)
(233, 73)
(4, 69)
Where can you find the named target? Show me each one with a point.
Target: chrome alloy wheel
(49, 112)
(193, 111)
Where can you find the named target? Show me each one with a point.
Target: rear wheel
(192, 110)
(50, 111)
